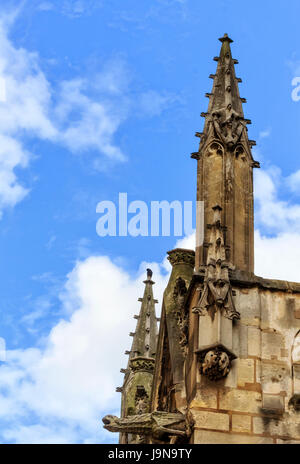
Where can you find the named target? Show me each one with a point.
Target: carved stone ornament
(179, 294)
(215, 363)
(141, 400)
(228, 126)
(142, 364)
(215, 147)
(294, 402)
(159, 425)
(217, 295)
(217, 292)
(216, 308)
(181, 256)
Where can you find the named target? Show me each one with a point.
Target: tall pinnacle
(225, 165)
(225, 109)
(143, 346)
(138, 379)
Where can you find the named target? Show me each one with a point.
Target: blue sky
(104, 97)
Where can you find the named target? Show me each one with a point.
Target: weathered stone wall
(257, 402)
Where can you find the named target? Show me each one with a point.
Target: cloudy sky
(101, 97)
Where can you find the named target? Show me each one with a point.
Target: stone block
(275, 378)
(254, 341)
(296, 375)
(241, 423)
(240, 400)
(245, 370)
(211, 420)
(267, 425)
(272, 343)
(205, 398)
(273, 403)
(243, 341)
(248, 302)
(211, 438)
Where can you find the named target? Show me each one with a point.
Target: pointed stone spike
(224, 97)
(225, 38)
(198, 134)
(146, 328)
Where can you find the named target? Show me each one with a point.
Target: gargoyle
(158, 424)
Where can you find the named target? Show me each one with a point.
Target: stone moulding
(142, 364)
(181, 256)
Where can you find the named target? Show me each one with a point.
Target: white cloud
(58, 392)
(45, 6)
(70, 382)
(293, 181)
(273, 214)
(265, 133)
(278, 257)
(94, 125)
(80, 114)
(77, 8)
(153, 103)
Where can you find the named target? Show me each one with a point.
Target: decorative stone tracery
(215, 308)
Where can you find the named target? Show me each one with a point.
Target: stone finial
(225, 38)
(181, 256)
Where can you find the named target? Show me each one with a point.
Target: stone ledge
(246, 279)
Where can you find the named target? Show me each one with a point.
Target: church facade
(225, 364)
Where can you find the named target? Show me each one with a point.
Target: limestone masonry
(225, 365)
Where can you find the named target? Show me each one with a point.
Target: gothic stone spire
(225, 165)
(137, 385)
(144, 339)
